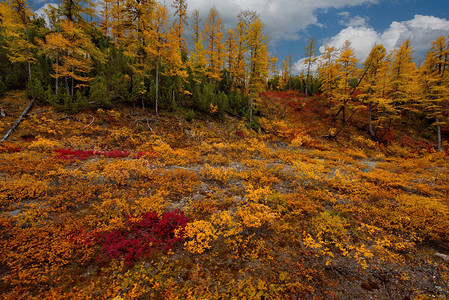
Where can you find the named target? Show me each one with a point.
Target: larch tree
(77, 10)
(328, 73)
(158, 46)
(179, 24)
(257, 45)
(15, 20)
(347, 73)
(285, 74)
(374, 88)
(198, 61)
(70, 45)
(196, 20)
(434, 81)
(403, 77)
(77, 54)
(134, 19)
(231, 51)
(239, 73)
(214, 51)
(309, 62)
(273, 68)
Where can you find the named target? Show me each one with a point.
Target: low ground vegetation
(124, 204)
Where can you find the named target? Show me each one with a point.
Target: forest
(160, 156)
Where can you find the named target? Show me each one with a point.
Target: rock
(370, 165)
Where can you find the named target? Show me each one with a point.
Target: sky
(290, 24)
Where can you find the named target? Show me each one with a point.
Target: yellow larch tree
(239, 72)
(75, 12)
(403, 77)
(374, 88)
(309, 62)
(328, 74)
(179, 24)
(158, 42)
(434, 82)
(77, 52)
(273, 69)
(213, 37)
(257, 45)
(285, 75)
(133, 19)
(347, 73)
(15, 20)
(196, 20)
(231, 51)
(198, 61)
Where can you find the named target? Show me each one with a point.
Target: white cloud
(358, 21)
(299, 67)
(362, 40)
(347, 20)
(421, 30)
(283, 19)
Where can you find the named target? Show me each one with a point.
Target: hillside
(124, 204)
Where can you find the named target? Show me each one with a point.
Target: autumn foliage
(214, 209)
(334, 186)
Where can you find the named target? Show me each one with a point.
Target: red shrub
(138, 155)
(74, 154)
(114, 153)
(142, 236)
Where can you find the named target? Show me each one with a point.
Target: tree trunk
(30, 75)
(57, 56)
(438, 134)
(371, 131)
(251, 111)
(14, 126)
(307, 80)
(71, 88)
(67, 88)
(57, 76)
(157, 85)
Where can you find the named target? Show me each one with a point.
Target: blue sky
(291, 23)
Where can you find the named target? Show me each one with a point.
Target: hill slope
(123, 204)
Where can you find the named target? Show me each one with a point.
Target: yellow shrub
(155, 203)
(255, 215)
(173, 156)
(330, 228)
(221, 175)
(226, 224)
(302, 139)
(25, 187)
(364, 143)
(309, 173)
(44, 145)
(120, 171)
(200, 234)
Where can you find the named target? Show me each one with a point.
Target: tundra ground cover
(215, 210)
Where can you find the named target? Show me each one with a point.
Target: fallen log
(14, 126)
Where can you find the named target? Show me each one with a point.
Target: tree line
(127, 51)
(82, 56)
(389, 85)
